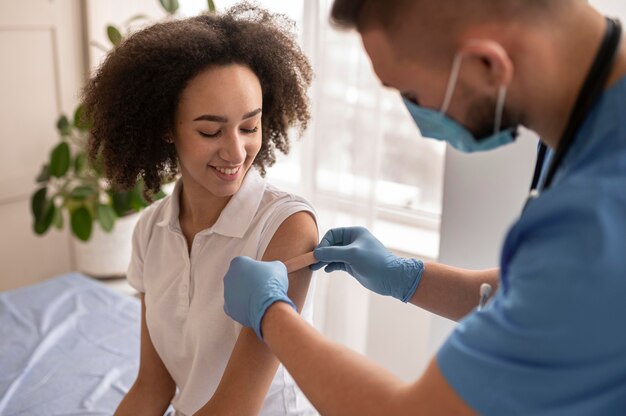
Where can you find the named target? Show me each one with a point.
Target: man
(552, 339)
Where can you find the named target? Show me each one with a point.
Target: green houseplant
(69, 183)
(70, 189)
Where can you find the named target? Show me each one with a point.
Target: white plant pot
(106, 255)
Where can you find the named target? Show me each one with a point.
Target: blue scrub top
(553, 338)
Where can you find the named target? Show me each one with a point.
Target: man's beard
(482, 116)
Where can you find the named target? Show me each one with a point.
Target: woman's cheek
(255, 148)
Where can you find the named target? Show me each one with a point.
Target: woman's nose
(233, 150)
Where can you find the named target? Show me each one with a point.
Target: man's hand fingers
(333, 267)
(315, 267)
(333, 254)
(333, 237)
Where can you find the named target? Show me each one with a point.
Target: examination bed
(68, 346)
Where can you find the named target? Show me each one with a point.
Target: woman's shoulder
(274, 197)
(278, 205)
(287, 212)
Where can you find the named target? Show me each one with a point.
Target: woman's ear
(497, 62)
(168, 138)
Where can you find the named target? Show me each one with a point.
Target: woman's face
(218, 128)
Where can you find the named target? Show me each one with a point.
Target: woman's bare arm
(252, 365)
(154, 387)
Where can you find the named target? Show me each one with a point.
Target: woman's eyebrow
(210, 117)
(222, 119)
(251, 114)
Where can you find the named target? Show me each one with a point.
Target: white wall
(612, 8)
(41, 73)
(100, 14)
(483, 195)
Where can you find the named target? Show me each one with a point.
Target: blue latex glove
(356, 251)
(250, 287)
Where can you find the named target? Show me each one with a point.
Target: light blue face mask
(437, 125)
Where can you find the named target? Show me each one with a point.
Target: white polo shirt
(184, 293)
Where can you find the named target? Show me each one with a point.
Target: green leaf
(170, 6)
(106, 217)
(60, 160)
(81, 223)
(38, 202)
(121, 202)
(82, 192)
(211, 5)
(137, 201)
(44, 175)
(114, 35)
(80, 162)
(63, 126)
(43, 224)
(79, 120)
(58, 218)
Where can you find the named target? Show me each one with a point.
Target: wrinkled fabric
(68, 346)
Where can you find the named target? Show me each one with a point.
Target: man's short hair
(390, 14)
(345, 14)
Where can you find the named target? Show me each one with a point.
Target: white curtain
(362, 162)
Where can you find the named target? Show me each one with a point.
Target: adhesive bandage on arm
(300, 262)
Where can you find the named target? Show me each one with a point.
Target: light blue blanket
(68, 346)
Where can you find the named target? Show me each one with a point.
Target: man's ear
(497, 62)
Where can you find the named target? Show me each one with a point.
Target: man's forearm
(336, 380)
(452, 292)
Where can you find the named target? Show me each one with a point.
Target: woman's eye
(209, 135)
(250, 131)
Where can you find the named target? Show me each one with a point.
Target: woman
(211, 98)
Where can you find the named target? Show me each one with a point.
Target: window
(362, 160)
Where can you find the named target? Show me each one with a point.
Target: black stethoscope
(589, 94)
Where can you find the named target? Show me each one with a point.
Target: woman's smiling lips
(227, 173)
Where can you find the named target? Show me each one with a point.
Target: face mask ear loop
(454, 76)
(499, 109)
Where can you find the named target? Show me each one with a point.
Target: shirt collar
(236, 216)
(171, 208)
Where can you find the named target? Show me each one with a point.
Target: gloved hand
(356, 251)
(250, 287)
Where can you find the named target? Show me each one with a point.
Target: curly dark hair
(131, 101)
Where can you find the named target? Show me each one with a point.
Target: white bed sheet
(68, 346)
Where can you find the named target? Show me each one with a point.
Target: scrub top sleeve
(540, 346)
(134, 275)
